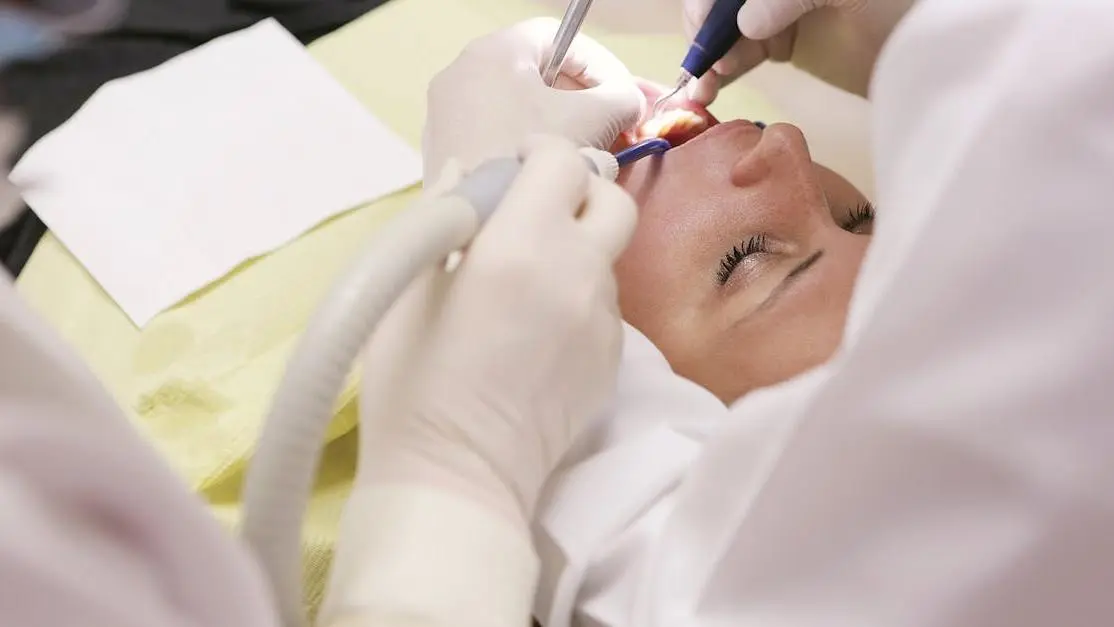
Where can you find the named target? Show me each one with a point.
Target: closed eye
(752, 246)
(860, 219)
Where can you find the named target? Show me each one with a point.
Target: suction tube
(281, 474)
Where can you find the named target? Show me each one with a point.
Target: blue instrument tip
(641, 150)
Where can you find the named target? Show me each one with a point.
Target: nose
(781, 154)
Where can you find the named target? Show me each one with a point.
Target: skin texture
(780, 312)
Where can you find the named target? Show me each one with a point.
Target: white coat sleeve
(953, 465)
(94, 529)
(411, 556)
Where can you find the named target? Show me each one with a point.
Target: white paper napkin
(167, 180)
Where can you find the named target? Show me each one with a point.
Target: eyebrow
(805, 265)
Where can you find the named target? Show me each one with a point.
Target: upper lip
(717, 128)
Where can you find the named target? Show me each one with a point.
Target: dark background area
(46, 93)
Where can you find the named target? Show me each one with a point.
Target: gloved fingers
(564, 82)
(609, 216)
(451, 174)
(763, 19)
(415, 311)
(590, 63)
(743, 57)
(527, 41)
(553, 183)
(608, 96)
(746, 55)
(397, 345)
(597, 115)
(703, 91)
(693, 13)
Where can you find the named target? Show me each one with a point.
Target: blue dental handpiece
(718, 33)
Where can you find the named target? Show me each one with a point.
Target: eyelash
(753, 246)
(861, 214)
(858, 216)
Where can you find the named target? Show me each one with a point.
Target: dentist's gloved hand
(473, 387)
(478, 379)
(493, 95)
(839, 46)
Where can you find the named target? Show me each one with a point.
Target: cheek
(658, 284)
(838, 190)
(642, 286)
(790, 338)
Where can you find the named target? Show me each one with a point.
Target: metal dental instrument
(566, 32)
(718, 33)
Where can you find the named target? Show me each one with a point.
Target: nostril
(761, 125)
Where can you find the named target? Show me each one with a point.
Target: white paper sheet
(168, 179)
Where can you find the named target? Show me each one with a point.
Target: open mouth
(681, 121)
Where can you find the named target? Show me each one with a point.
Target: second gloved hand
(478, 379)
(492, 96)
(839, 45)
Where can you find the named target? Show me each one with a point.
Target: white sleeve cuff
(429, 557)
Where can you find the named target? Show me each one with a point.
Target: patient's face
(745, 255)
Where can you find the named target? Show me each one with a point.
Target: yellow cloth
(198, 380)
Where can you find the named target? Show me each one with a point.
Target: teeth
(675, 121)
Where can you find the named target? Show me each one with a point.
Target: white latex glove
(492, 96)
(478, 379)
(473, 387)
(838, 45)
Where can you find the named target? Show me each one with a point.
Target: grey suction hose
(282, 471)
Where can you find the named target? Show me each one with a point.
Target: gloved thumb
(622, 105)
(762, 19)
(602, 112)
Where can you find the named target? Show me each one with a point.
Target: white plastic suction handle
(485, 186)
(280, 477)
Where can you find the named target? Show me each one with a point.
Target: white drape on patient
(953, 464)
(602, 508)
